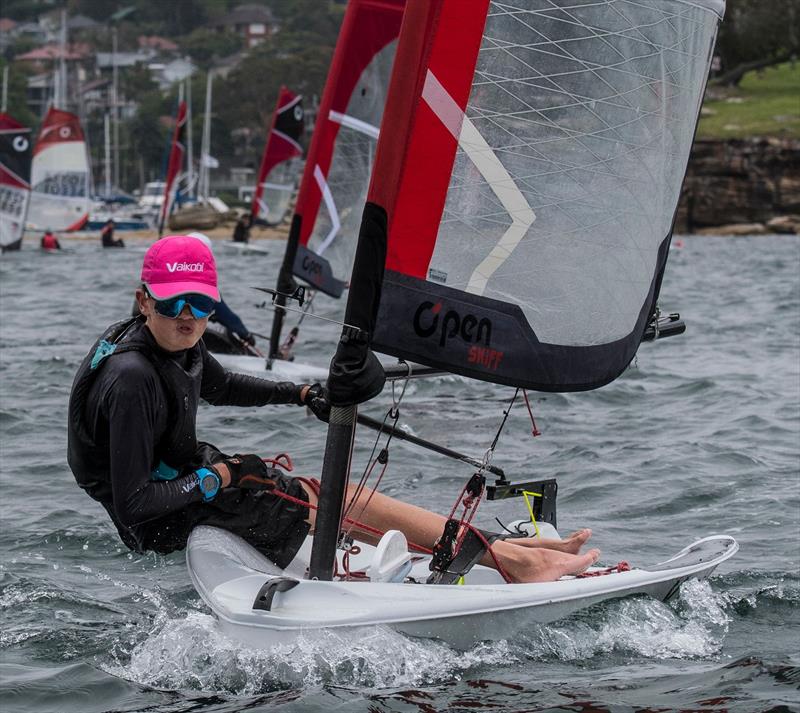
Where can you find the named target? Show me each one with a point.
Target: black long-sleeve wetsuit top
(128, 415)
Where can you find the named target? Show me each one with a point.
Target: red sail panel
(368, 26)
(58, 127)
(412, 170)
(283, 140)
(176, 154)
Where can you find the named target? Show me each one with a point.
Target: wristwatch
(208, 482)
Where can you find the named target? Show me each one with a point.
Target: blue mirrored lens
(199, 305)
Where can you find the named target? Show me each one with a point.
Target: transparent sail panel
(348, 177)
(571, 158)
(279, 188)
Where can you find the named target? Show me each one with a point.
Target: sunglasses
(199, 305)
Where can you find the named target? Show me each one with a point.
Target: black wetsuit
(134, 414)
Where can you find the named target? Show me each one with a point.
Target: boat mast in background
(191, 188)
(207, 161)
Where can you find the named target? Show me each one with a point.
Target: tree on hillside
(17, 91)
(757, 34)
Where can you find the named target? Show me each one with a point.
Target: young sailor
(132, 443)
(107, 236)
(49, 241)
(224, 315)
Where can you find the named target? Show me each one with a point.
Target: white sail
(59, 175)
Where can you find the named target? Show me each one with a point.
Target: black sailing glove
(317, 400)
(249, 471)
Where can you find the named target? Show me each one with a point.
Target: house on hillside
(157, 44)
(254, 23)
(45, 61)
(7, 27)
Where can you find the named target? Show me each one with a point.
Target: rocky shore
(741, 187)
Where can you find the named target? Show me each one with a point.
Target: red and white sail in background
(283, 144)
(175, 164)
(59, 175)
(342, 149)
(15, 180)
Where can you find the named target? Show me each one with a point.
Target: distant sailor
(132, 443)
(49, 241)
(241, 232)
(241, 337)
(107, 236)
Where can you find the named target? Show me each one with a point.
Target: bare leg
(527, 561)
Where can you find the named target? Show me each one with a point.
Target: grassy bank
(766, 103)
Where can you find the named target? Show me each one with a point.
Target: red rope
(535, 431)
(282, 460)
(360, 525)
(619, 567)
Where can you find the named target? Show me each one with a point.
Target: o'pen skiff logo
(467, 328)
(65, 132)
(185, 266)
(20, 143)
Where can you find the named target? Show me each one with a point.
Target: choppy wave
(698, 437)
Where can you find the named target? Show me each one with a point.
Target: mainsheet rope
(469, 501)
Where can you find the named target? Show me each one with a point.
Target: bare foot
(542, 565)
(571, 544)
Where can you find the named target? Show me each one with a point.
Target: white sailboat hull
(280, 371)
(230, 575)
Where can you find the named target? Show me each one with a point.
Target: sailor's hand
(316, 398)
(248, 471)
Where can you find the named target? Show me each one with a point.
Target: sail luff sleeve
(539, 265)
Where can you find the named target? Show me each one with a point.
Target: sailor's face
(172, 335)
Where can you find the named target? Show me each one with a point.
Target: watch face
(208, 484)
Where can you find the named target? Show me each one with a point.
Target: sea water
(700, 436)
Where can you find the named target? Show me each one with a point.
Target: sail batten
(531, 180)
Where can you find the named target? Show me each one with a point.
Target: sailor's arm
(224, 388)
(131, 405)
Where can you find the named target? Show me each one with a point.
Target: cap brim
(169, 290)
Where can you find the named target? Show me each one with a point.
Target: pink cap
(179, 265)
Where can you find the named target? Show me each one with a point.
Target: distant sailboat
(174, 166)
(60, 197)
(321, 243)
(15, 180)
(276, 175)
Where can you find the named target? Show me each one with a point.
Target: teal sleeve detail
(103, 350)
(163, 472)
